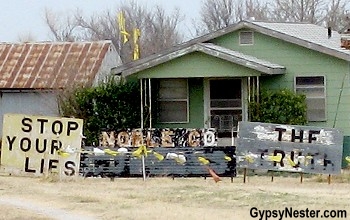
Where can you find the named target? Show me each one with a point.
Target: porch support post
(141, 91)
(248, 88)
(248, 85)
(150, 102)
(257, 89)
(142, 156)
(253, 88)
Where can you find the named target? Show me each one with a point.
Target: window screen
(173, 100)
(314, 89)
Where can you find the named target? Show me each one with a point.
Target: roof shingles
(311, 33)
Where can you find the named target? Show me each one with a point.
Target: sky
(20, 18)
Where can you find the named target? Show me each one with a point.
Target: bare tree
(61, 30)
(158, 30)
(26, 37)
(311, 11)
(217, 14)
(338, 15)
(258, 10)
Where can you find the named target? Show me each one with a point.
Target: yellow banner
(122, 27)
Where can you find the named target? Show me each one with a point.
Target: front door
(225, 105)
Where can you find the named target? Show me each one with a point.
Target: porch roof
(263, 66)
(242, 59)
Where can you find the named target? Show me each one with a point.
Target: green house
(208, 81)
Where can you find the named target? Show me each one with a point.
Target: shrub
(281, 107)
(109, 106)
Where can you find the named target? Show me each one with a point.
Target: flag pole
(143, 167)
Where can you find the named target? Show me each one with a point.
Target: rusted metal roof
(50, 65)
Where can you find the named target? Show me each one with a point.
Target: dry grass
(181, 198)
(9, 212)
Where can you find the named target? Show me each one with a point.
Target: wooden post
(272, 176)
(329, 178)
(244, 174)
(301, 177)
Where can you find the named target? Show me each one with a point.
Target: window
(314, 89)
(246, 38)
(173, 100)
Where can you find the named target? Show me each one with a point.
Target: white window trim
(324, 93)
(179, 100)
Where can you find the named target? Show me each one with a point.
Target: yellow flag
(136, 36)
(276, 158)
(347, 158)
(142, 150)
(291, 162)
(62, 153)
(158, 156)
(203, 160)
(122, 29)
(228, 158)
(137, 152)
(249, 158)
(111, 152)
(136, 52)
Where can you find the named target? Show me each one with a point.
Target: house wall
(195, 66)
(300, 61)
(32, 103)
(111, 59)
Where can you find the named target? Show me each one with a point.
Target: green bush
(109, 106)
(280, 107)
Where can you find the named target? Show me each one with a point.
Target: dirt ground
(165, 198)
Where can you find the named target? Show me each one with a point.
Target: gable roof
(210, 49)
(306, 35)
(303, 34)
(50, 65)
(242, 59)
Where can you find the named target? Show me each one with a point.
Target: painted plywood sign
(289, 148)
(166, 137)
(38, 144)
(162, 161)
